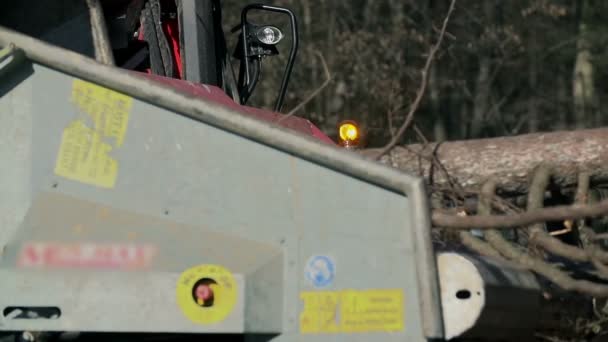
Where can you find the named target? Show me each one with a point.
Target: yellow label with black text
(352, 311)
(84, 153)
(223, 286)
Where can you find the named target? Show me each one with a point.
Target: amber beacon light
(349, 134)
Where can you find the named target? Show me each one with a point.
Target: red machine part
(217, 95)
(171, 30)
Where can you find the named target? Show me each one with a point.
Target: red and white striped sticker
(85, 255)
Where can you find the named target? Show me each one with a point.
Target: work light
(269, 35)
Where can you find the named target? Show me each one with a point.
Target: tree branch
(541, 267)
(566, 212)
(328, 78)
(421, 90)
(484, 207)
(540, 237)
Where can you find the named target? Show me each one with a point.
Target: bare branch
(311, 96)
(477, 245)
(421, 90)
(602, 236)
(541, 267)
(540, 237)
(483, 207)
(582, 190)
(587, 235)
(566, 212)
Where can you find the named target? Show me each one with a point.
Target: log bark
(509, 159)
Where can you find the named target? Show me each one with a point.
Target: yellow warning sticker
(206, 294)
(108, 109)
(352, 311)
(84, 153)
(84, 157)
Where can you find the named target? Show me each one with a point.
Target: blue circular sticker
(320, 270)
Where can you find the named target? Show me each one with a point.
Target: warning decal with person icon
(206, 294)
(320, 270)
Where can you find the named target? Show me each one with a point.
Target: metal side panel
(355, 258)
(106, 302)
(16, 100)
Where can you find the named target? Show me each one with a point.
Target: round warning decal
(320, 270)
(206, 293)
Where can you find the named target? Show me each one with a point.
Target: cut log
(509, 159)
(487, 299)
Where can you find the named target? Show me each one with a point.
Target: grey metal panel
(108, 301)
(15, 149)
(199, 174)
(179, 246)
(280, 189)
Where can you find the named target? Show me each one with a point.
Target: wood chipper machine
(142, 198)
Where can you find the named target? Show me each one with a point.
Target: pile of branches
(537, 214)
(454, 178)
(526, 200)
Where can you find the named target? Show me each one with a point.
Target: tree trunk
(330, 54)
(463, 115)
(397, 9)
(583, 86)
(369, 13)
(482, 93)
(532, 82)
(439, 130)
(482, 83)
(562, 102)
(510, 159)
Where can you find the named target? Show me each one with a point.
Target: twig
(540, 237)
(565, 212)
(421, 90)
(435, 161)
(541, 267)
(582, 190)
(536, 197)
(602, 236)
(477, 245)
(101, 42)
(483, 207)
(311, 96)
(586, 234)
